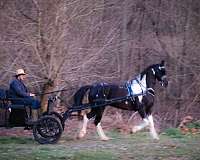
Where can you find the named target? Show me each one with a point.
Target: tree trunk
(48, 87)
(181, 71)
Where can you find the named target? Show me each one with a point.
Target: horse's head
(160, 73)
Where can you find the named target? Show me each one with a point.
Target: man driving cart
(20, 94)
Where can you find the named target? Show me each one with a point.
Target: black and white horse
(141, 89)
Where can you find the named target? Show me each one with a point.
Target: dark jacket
(18, 89)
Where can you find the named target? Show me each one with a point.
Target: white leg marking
(152, 128)
(144, 124)
(84, 127)
(140, 98)
(101, 133)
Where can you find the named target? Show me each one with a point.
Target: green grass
(94, 155)
(18, 140)
(194, 125)
(172, 145)
(173, 133)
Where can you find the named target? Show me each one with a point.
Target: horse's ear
(162, 63)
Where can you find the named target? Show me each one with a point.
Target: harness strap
(128, 86)
(130, 91)
(140, 85)
(151, 91)
(101, 89)
(104, 89)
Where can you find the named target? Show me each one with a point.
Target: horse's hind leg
(97, 122)
(86, 118)
(101, 133)
(83, 130)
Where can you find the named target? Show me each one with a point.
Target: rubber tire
(59, 117)
(48, 137)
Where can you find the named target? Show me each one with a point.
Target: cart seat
(3, 94)
(7, 102)
(3, 98)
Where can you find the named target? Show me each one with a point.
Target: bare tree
(64, 44)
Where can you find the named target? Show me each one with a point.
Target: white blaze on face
(139, 88)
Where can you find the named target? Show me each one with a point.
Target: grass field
(171, 146)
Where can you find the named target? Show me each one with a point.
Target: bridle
(163, 78)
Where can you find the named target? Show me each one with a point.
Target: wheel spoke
(47, 130)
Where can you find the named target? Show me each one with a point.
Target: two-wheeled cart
(49, 127)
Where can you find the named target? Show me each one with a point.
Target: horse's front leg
(143, 114)
(144, 124)
(148, 121)
(152, 128)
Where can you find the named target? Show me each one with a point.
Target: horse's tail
(79, 97)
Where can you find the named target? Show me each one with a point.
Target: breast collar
(141, 85)
(130, 91)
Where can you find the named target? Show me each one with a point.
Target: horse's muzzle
(164, 81)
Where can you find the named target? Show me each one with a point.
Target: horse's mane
(146, 70)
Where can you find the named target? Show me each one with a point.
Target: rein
(62, 90)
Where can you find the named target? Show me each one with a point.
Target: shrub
(174, 133)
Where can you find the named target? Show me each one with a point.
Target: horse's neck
(147, 79)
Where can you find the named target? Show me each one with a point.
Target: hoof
(134, 130)
(81, 135)
(156, 138)
(105, 138)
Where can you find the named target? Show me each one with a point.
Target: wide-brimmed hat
(20, 72)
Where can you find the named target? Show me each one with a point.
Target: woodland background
(64, 44)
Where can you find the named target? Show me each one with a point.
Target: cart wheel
(59, 117)
(47, 130)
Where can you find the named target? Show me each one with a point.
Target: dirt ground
(16, 143)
